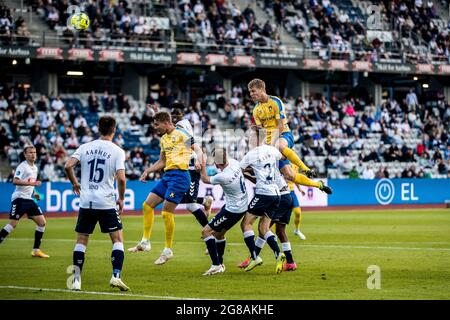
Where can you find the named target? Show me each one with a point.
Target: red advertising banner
(216, 59)
(362, 66)
(83, 54)
(424, 68)
(115, 55)
(188, 58)
(338, 65)
(244, 61)
(313, 64)
(53, 53)
(444, 68)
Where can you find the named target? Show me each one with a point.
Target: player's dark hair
(162, 117)
(28, 146)
(106, 125)
(176, 113)
(178, 105)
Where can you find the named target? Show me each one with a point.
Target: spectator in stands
(4, 142)
(411, 100)
(409, 173)
(41, 105)
(3, 103)
(80, 121)
(57, 104)
(368, 173)
(442, 167)
(53, 18)
(93, 102)
(119, 140)
(353, 174)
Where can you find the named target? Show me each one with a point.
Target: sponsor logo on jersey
(171, 195)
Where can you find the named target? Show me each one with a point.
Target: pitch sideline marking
(101, 293)
(241, 244)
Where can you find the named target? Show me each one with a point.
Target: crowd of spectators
(118, 23)
(221, 24)
(346, 134)
(12, 31)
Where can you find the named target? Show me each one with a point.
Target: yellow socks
(293, 157)
(169, 223)
(298, 217)
(305, 181)
(149, 218)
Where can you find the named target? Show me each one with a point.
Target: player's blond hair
(257, 83)
(162, 117)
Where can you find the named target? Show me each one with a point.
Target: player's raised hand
(119, 203)
(144, 176)
(36, 183)
(198, 165)
(76, 189)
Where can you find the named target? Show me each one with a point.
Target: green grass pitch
(411, 247)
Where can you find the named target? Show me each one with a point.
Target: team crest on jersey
(171, 195)
(174, 139)
(270, 108)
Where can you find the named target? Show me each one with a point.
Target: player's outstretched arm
(20, 182)
(68, 168)
(157, 166)
(121, 185)
(199, 153)
(203, 174)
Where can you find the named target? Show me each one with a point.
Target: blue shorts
(294, 197)
(173, 186)
(225, 220)
(290, 141)
(282, 214)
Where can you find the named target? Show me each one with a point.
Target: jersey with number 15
(100, 160)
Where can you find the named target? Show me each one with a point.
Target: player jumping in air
(269, 114)
(101, 162)
(22, 200)
(176, 149)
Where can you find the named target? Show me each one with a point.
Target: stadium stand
(340, 137)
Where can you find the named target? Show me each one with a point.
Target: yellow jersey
(267, 115)
(291, 184)
(177, 149)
